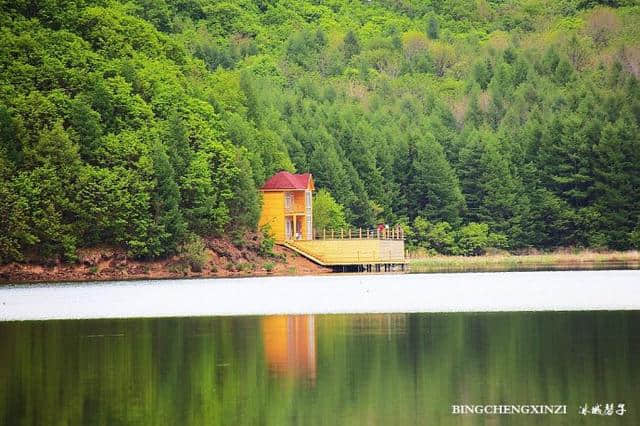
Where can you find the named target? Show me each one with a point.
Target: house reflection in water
(290, 345)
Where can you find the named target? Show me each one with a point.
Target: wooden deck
(348, 252)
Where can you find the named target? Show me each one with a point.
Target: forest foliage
(145, 123)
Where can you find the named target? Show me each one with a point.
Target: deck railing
(391, 233)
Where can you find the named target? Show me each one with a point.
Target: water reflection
(404, 369)
(378, 324)
(290, 345)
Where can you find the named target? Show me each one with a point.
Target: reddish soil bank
(223, 260)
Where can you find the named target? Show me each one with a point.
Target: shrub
(237, 238)
(269, 266)
(267, 242)
(474, 238)
(193, 252)
(433, 237)
(180, 268)
(634, 237)
(246, 267)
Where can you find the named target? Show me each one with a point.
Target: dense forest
(475, 123)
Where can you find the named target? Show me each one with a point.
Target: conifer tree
(618, 181)
(433, 30)
(165, 205)
(492, 194)
(351, 45)
(433, 189)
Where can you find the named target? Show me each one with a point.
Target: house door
(288, 227)
(309, 228)
(299, 235)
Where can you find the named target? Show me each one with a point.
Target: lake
(326, 369)
(401, 369)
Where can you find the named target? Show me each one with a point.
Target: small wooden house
(288, 210)
(287, 206)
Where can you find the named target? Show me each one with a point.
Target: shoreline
(54, 276)
(564, 260)
(117, 268)
(107, 264)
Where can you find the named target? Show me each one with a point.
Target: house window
(308, 199)
(288, 200)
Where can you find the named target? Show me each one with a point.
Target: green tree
(437, 237)
(473, 239)
(433, 29)
(244, 206)
(493, 196)
(15, 233)
(327, 212)
(351, 45)
(618, 181)
(483, 73)
(433, 188)
(165, 205)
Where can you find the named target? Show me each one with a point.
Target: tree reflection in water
(402, 369)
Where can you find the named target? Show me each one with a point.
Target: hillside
(147, 124)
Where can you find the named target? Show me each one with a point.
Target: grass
(269, 266)
(564, 259)
(246, 267)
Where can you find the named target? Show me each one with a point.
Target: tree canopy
(141, 123)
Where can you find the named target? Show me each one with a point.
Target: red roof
(286, 180)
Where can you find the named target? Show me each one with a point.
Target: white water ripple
(332, 293)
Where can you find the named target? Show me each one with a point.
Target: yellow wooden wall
(303, 231)
(273, 213)
(298, 201)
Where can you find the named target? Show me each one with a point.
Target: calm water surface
(326, 294)
(391, 369)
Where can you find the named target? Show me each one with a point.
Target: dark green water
(403, 369)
